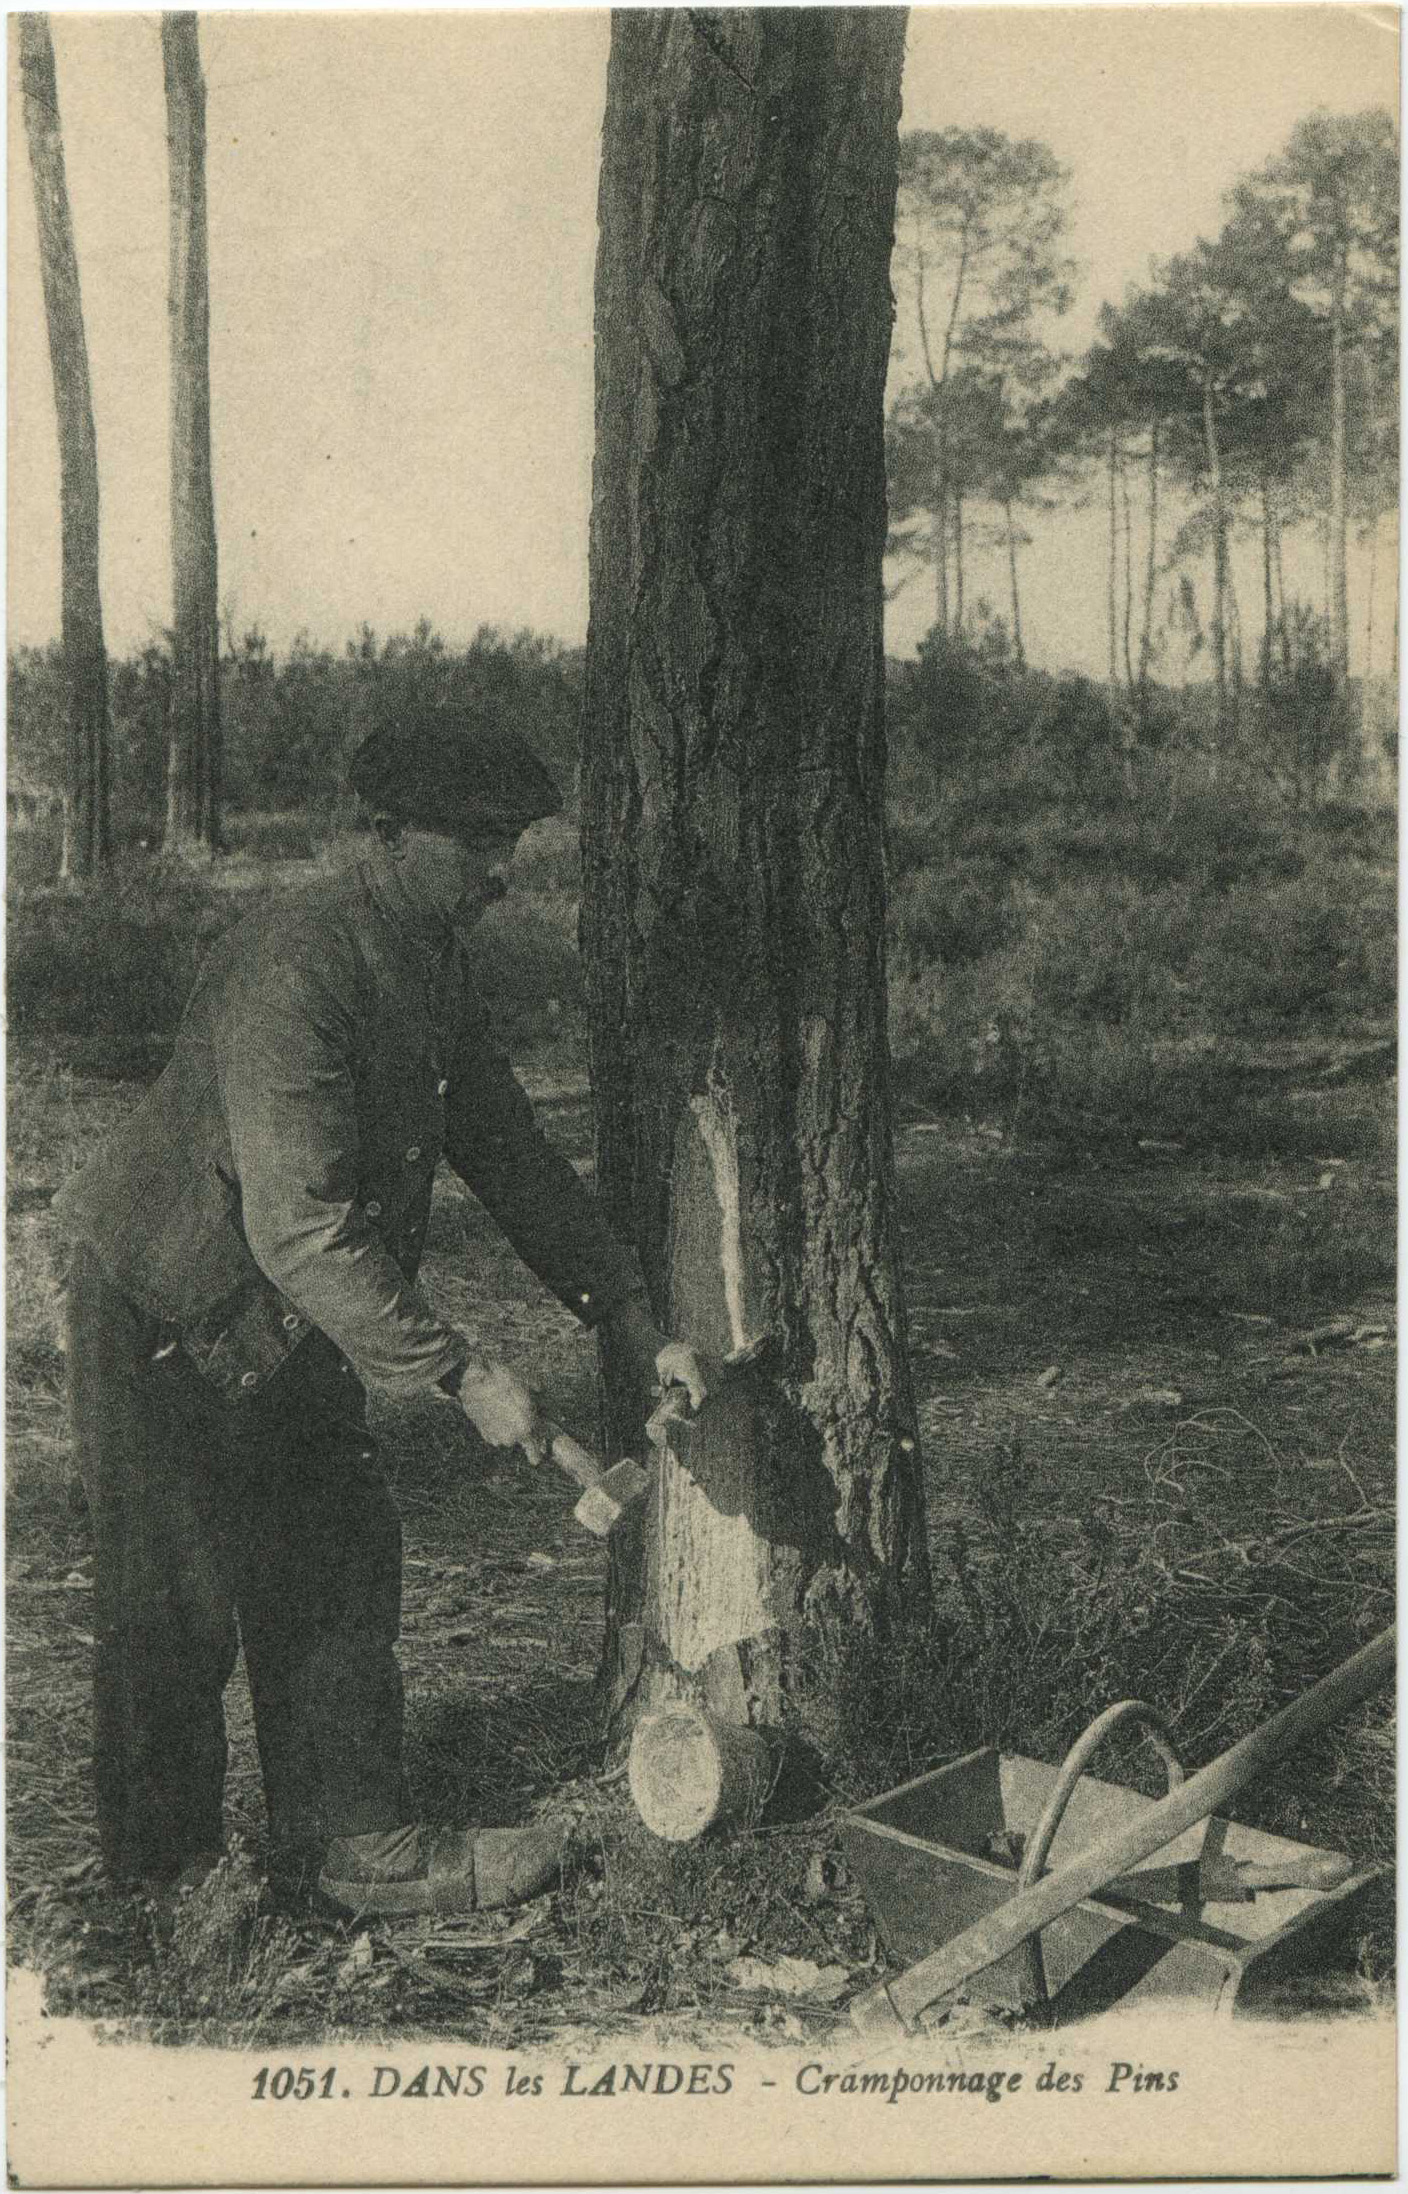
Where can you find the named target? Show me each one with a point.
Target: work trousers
(268, 1514)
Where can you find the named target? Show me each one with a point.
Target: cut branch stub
(690, 1771)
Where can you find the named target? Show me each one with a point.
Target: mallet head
(603, 1505)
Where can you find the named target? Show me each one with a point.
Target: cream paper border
(1295, 2100)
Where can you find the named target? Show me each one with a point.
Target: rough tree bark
(194, 753)
(733, 764)
(87, 836)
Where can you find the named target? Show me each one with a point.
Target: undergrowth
(1216, 1611)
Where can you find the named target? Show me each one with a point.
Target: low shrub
(117, 961)
(294, 834)
(1081, 932)
(115, 966)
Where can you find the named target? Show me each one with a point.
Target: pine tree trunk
(194, 756)
(1287, 660)
(733, 914)
(1112, 573)
(1128, 621)
(940, 540)
(1017, 647)
(87, 834)
(958, 561)
(1151, 570)
(1268, 599)
(1234, 652)
(1339, 482)
(1219, 559)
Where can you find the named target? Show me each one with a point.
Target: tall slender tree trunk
(1112, 571)
(1268, 599)
(1128, 621)
(1234, 650)
(958, 561)
(1339, 481)
(194, 757)
(87, 832)
(939, 550)
(1151, 570)
(1287, 658)
(1370, 586)
(1219, 557)
(1018, 649)
(733, 916)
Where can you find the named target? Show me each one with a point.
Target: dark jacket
(277, 1177)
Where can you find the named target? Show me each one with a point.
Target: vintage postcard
(701, 835)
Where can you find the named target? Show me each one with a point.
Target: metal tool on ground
(1220, 1880)
(606, 1493)
(1100, 1932)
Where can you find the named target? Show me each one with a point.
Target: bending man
(245, 1264)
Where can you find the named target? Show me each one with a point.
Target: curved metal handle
(1074, 1766)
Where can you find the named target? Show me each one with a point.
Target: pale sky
(402, 215)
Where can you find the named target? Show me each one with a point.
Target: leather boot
(420, 1869)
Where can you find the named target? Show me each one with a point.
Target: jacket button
(413, 1153)
(373, 1209)
(291, 1321)
(440, 1088)
(249, 1378)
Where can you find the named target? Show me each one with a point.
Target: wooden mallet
(606, 1494)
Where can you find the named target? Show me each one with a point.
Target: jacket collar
(381, 880)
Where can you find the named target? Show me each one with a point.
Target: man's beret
(443, 767)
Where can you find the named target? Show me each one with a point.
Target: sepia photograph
(701, 858)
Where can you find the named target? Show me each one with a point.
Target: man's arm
(496, 1145)
(533, 1193)
(284, 1047)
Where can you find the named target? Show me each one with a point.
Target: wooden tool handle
(577, 1461)
(897, 2004)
